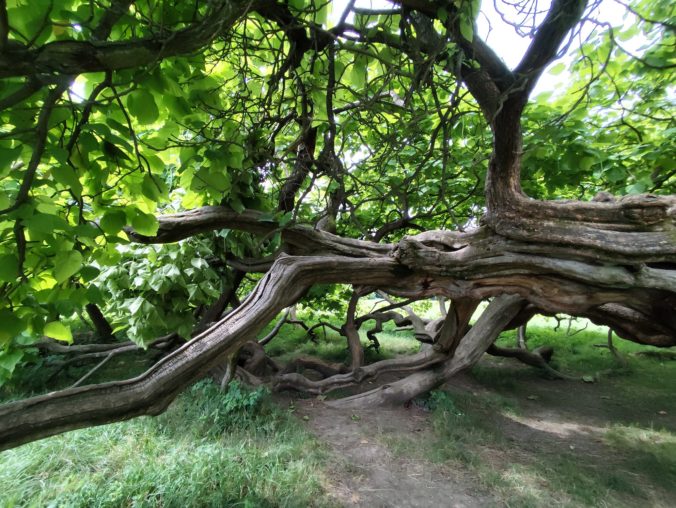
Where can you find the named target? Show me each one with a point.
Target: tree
(272, 141)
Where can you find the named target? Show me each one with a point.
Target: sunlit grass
(653, 451)
(293, 341)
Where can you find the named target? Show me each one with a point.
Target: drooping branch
(304, 239)
(151, 392)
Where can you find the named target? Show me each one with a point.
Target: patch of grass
(331, 346)
(652, 452)
(468, 430)
(489, 433)
(631, 393)
(208, 449)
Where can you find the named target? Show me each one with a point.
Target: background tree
(265, 138)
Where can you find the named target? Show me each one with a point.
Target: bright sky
(502, 37)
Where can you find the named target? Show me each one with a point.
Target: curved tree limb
(493, 320)
(73, 57)
(151, 392)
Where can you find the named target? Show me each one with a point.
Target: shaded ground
(367, 473)
(504, 436)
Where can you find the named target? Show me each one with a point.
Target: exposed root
(539, 357)
(295, 381)
(493, 320)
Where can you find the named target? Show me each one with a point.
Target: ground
(502, 434)
(367, 472)
(540, 443)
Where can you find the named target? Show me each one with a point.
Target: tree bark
(492, 321)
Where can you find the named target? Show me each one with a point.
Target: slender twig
(39, 148)
(97, 367)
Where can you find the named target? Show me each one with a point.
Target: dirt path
(555, 421)
(367, 473)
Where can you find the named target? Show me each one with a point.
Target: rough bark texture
(151, 392)
(492, 321)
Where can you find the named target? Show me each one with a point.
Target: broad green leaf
(145, 223)
(89, 272)
(587, 162)
(113, 221)
(9, 267)
(59, 331)
(466, 27)
(141, 104)
(11, 325)
(9, 360)
(234, 157)
(7, 157)
(46, 223)
(67, 264)
(151, 187)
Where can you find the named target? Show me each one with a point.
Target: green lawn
(209, 449)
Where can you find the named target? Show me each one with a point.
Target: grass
(240, 449)
(208, 449)
(332, 346)
(628, 460)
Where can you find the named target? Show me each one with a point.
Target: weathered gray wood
(487, 328)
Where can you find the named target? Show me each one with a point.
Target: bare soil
(366, 473)
(554, 418)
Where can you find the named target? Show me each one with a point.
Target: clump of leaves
(153, 290)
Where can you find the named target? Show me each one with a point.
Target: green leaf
(212, 177)
(357, 75)
(89, 272)
(466, 28)
(557, 69)
(587, 162)
(113, 153)
(9, 360)
(66, 176)
(234, 157)
(141, 104)
(11, 326)
(151, 187)
(46, 223)
(113, 221)
(285, 219)
(145, 223)
(7, 157)
(9, 267)
(67, 264)
(59, 331)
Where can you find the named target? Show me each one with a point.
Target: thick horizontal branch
(304, 239)
(76, 57)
